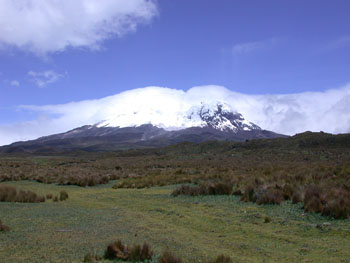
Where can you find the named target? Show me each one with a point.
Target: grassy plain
(139, 207)
(197, 228)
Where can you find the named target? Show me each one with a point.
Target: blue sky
(250, 47)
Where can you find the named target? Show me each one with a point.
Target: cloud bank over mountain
(287, 114)
(46, 26)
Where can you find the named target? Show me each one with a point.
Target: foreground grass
(196, 228)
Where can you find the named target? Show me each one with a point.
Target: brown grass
(119, 251)
(169, 257)
(63, 195)
(3, 228)
(10, 194)
(219, 188)
(222, 259)
(92, 258)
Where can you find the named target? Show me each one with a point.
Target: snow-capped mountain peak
(220, 116)
(217, 115)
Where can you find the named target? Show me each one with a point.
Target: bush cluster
(10, 194)
(261, 171)
(219, 188)
(334, 202)
(69, 172)
(118, 251)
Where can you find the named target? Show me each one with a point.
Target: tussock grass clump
(63, 195)
(270, 196)
(219, 188)
(327, 200)
(140, 253)
(92, 258)
(116, 250)
(249, 194)
(119, 251)
(267, 219)
(297, 197)
(3, 228)
(169, 257)
(222, 259)
(273, 195)
(10, 194)
(83, 181)
(338, 205)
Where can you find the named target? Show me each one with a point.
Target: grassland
(197, 228)
(139, 207)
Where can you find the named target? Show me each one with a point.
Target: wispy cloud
(42, 79)
(249, 47)
(15, 83)
(341, 42)
(49, 26)
(288, 114)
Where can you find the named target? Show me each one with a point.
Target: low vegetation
(263, 199)
(63, 195)
(10, 194)
(3, 228)
(168, 257)
(119, 251)
(220, 188)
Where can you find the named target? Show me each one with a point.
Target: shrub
(117, 250)
(312, 192)
(168, 257)
(267, 219)
(49, 196)
(146, 252)
(270, 196)
(135, 253)
(288, 191)
(204, 189)
(297, 197)
(10, 194)
(222, 259)
(3, 228)
(55, 199)
(249, 194)
(220, 188)
(313, 204)
(7, 193)
(313, 199)
(188, 190)
(338, 204)
(63, 195)
(92, 258)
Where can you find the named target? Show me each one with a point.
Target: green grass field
(196, 228)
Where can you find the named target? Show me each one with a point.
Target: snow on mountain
(217, 115)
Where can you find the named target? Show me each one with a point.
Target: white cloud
(45, 26)
(14, 83)
(42, 79)
(248, 47)
(288, 114)
(341, 42)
